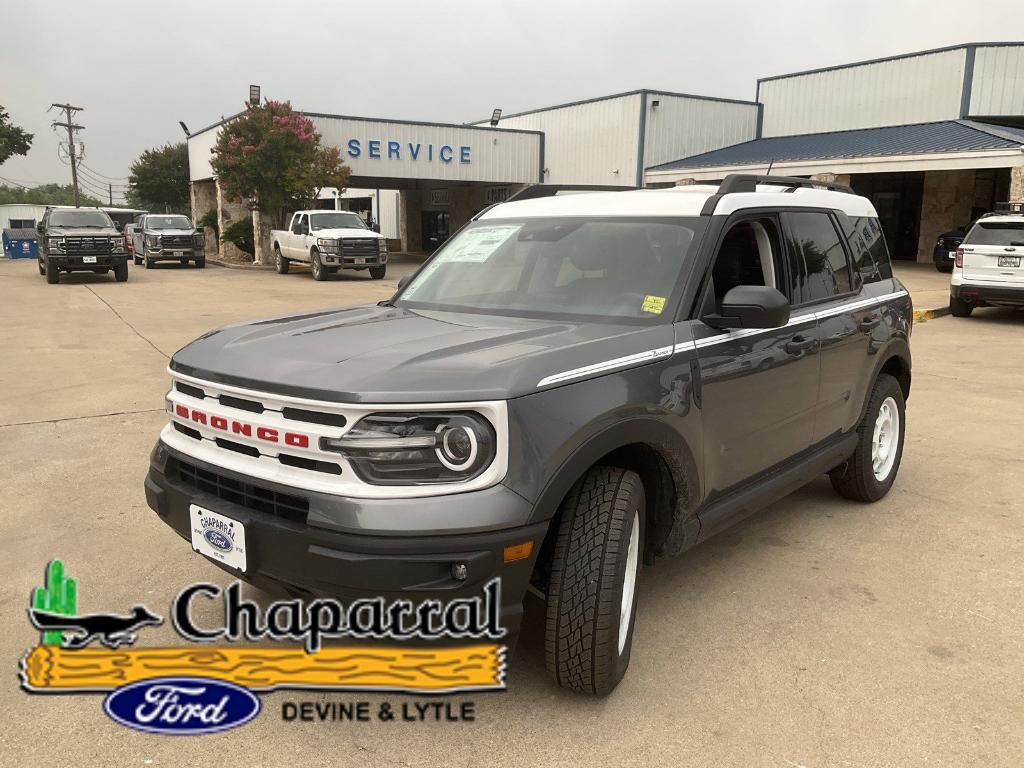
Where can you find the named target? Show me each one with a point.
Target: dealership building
(932, 138)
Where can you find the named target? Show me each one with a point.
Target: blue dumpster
(20, 244)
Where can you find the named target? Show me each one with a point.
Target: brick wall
(945, 204)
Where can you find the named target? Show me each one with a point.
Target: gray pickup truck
(80, 240)
(167, 237)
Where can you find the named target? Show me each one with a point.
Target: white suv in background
(987, 270)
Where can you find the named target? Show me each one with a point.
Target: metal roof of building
(916, 139)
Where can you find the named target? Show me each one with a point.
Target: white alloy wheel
(885, 439)
(629, 582)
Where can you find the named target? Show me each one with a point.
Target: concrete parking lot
(821, 632)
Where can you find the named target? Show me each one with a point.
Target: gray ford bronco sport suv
(572, 387)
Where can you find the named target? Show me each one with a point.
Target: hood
(82, 232)
(390, 354)
(347, 232)
(175, 232)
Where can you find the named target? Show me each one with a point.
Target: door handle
(873, 321)
(798, 344)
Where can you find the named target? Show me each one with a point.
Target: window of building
(22, 223)
(820, 266)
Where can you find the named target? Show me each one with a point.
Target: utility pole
(72, 152)
(110, 194)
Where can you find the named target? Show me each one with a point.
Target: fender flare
(897, 348)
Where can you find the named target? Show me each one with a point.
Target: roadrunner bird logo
(110, 629)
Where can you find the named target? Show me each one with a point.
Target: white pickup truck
(329, 241)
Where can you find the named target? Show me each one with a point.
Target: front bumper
(943, 256)
(317, 557)
(978, 294)
(77, 261)
(175, 254)
(353, 262)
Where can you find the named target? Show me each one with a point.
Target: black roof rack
(747, 182)
(550, 190)
(1004, 208)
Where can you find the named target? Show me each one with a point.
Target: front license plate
(88, 259)
(951, 254)
(1009, 261)
(360, 261)
(179, 254)
(217, 536)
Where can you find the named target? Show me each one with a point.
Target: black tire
(183, 262)
(947, 268)
(137, 260)
(856, 479)
(201, 262)
(377, 273)
(42, 267)
(148, 262)
(281, 264)
(588, 575)
(52, 273)
(960, 308)
(121, 272)
(319, 271)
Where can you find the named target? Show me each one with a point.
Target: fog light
(459, 571)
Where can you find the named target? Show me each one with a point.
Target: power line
(103, 175)
(87, 174)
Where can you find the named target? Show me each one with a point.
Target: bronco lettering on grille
(267, 434)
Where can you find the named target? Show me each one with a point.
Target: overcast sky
(139, 67)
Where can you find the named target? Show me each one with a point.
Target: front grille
(188, 389)
(248, 495)
(243, 405)
(951, 243)
(364, 246)
(176, 241)
(87, 245)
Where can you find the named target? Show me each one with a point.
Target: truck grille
(176, 241)
(248, 495)
(364, 246)
(951, 243)
(88, 245)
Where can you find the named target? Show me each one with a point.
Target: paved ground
(819, 633)
(928, 287)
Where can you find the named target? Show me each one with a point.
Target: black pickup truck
(573, 386)
(80, 240)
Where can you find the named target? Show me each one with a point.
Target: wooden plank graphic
(468, 667)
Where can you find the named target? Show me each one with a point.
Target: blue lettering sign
(393, 150)
(375, 149)
(441, 153)
(464, 154)
(430, 153)
(354, 149)
(414, 150)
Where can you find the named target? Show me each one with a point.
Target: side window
(748, 255)
(867, 244)
(304, 221)
(816, 250)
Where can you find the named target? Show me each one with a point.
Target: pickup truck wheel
(870, 472)
(592, 592)
(52, 273)
(959, 308)
(201, 262)
(137, 260)
(184, 262)
(377, 273)
(281, 264)
(42, 267)
(149, 264)
(319, 273)
(121, 272)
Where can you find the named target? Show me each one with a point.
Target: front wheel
(281, 264)
(959, 307)
(377, 273)
(201, 262)
(42, 267)
(121, 272)
(319, 273)
(870, 472)
(52, 272)
(149, 263)
(591, 600)
(137, 260)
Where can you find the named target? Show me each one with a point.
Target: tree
(158, 180)
(271, 158)
(13, 140)
(45, 194)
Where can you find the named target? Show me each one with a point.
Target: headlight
(941, 243)
(198, 241)
(417, 448)
(55, 243)
(382, 245)
(153, 241)
(117, 245)
(326, 244)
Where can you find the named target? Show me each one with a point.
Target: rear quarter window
(817, 257)
(867, 244)
(996, 233)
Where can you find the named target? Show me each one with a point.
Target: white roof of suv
(679, 201)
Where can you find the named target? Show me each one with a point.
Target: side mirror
(39, 227)
(119, 225)
(751, 306)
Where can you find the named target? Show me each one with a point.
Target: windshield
(168, 222)
(336, 220)
(80, 218)
(996, 233)
(572, 267)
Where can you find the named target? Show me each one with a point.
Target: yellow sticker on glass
(653, 304)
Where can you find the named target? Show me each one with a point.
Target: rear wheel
(959, 307)
(281, 264)
(52, 272)
(319, 272)
(591, 597)
(377, 273)
(870, 472)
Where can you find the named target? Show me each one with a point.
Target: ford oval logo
(218, 540)
(182, 705)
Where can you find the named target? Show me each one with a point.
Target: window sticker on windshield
(653, 304)
(478, 244)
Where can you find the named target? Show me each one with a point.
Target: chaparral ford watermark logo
(207, 687)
